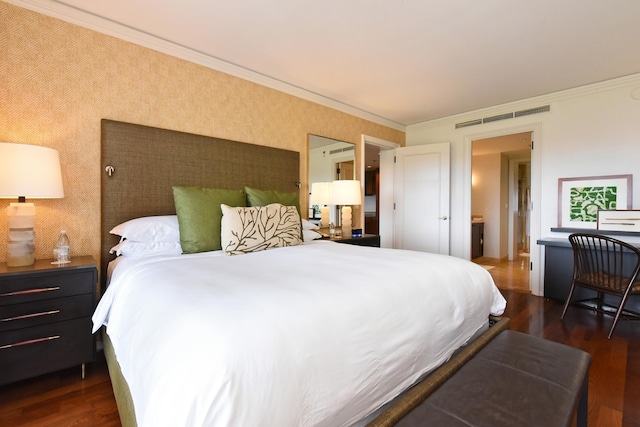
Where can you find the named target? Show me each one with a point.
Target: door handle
(444, 217)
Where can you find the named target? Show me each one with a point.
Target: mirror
(329, 160)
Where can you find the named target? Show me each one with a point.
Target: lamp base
(324, 217)
(346, 221)
(20, 245)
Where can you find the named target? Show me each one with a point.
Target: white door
(421, 197)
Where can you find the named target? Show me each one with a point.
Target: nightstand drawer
(46, 286)
(18, 316)
(35, 351)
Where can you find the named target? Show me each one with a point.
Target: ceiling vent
(498, 117)
(467, 124)
(532, 111)
(505, 116)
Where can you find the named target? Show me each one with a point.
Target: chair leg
(619, 311)
(600, 301)
(566, 304)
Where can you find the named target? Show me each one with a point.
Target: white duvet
(321, 334)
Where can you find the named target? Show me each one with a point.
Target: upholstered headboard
(141, 164)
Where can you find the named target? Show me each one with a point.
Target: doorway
(378, 208)
(500, 200)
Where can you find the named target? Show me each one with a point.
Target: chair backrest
(604, 262)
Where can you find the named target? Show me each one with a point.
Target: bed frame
(141, 164)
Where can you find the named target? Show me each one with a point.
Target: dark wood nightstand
(366, 240)
(45, 317)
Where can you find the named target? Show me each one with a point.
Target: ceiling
(397, 62)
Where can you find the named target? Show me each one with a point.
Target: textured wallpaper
(58, 80)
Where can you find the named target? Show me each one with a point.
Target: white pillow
(162, 228)
(309, 235)
(133, 249)
(257, 228)
(308, 225)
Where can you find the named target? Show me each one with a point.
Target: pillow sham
(161, 228)
(308, 225)
(309, 235)
(199, 216)
(133, 249)
(252, 229)
(257, 197)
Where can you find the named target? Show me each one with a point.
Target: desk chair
(607, 266)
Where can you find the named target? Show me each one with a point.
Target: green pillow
(200, 216)
(257, 197)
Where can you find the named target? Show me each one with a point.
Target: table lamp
(345, 193)
(26, 171)
(321, 195)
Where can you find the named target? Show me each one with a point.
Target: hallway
(508, 275)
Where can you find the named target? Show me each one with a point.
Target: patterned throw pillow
(253, 229)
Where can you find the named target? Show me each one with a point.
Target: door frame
(535, 280)
(385, 227)
(514, 164)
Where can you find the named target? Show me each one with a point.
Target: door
(421, 198)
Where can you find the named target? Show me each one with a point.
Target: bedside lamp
(26, 171)
(346, 193)
(321, 195)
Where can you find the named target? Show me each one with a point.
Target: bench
(515, 380)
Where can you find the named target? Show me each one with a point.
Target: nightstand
(366, 240)
(45, 317)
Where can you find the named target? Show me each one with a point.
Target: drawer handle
(29, 342)
(30, 291)
(29, 316)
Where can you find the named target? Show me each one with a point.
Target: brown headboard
(148, 161)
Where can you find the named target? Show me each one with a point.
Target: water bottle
(62, 248)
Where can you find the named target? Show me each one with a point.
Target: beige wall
(57, 80)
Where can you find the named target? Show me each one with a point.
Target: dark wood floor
(64, 399)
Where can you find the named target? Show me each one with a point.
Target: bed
(318, 333)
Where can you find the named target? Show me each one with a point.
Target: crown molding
(102, 25)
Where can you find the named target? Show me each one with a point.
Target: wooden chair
(607, 266)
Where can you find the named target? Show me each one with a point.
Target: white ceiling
(402, 61)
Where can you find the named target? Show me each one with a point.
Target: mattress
(321, 334)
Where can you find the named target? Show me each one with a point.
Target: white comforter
(321, 334)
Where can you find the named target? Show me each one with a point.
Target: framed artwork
(580, 199)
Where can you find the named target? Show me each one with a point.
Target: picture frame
(580, 198)
(619, 220)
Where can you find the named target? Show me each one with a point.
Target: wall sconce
(345, 193)
(321, 195)
(26, 171)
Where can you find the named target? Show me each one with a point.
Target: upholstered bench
(515, 380)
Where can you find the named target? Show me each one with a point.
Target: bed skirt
(119, 385)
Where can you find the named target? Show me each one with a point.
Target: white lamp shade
(346, 192)
(321, 193)
(29, 171)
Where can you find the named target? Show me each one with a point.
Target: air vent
(505, 116)
(340, 150)
(467, 124)
(533, 111)
(497, 118)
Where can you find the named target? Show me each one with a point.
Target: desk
(558, 273)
